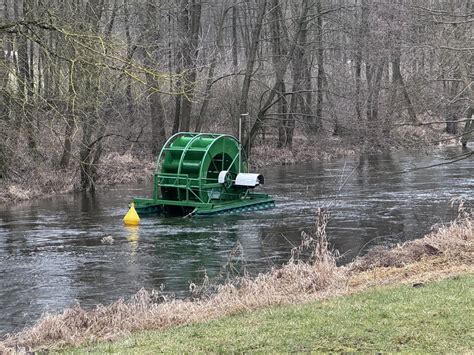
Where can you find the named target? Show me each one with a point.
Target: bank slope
(435, 317)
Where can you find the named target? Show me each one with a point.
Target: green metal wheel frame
(189, 163)
(186, 178)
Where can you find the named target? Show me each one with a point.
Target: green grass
(435, 318)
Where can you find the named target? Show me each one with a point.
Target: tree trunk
(280, 74)
(210, 75)
(283, 112)
(130, 52)
(190, 21)
(157, 111)
(317, 123)
(400, 83)
(71, 118)
(278, 52)
(362, 34)
(252, 54)
(376, 90)
(89, 77)
(452, 108)
(235, 59)
(5, 153)
(182, 29)
(468, 127)
(306, 99)
(25, 80)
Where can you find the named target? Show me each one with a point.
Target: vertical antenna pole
(240, 142)
(248, 148)
(240, 139)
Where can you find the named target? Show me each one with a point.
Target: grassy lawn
(437, 317)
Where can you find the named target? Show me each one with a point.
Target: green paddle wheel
(203, 174)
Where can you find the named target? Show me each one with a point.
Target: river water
(51, 254)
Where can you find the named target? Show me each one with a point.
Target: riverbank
(446, 252)
(33, 178)
(432, 317)
(34, 181)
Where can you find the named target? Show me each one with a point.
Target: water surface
(51, 254)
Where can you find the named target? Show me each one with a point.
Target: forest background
(91, 89)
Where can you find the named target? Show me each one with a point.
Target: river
(52, 256)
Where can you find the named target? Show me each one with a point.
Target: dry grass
(455, 240)
(324, 148)
(304, 150)
(428, 135)
(446, 251)
(125, 168)
(35, 180)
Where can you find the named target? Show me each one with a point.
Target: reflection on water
(52, 252)
(133, 237)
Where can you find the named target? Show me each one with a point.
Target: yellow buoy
(131, 218)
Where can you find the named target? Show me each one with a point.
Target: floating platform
(203, 174)
(252, 202)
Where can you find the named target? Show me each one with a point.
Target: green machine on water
(203, 174)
